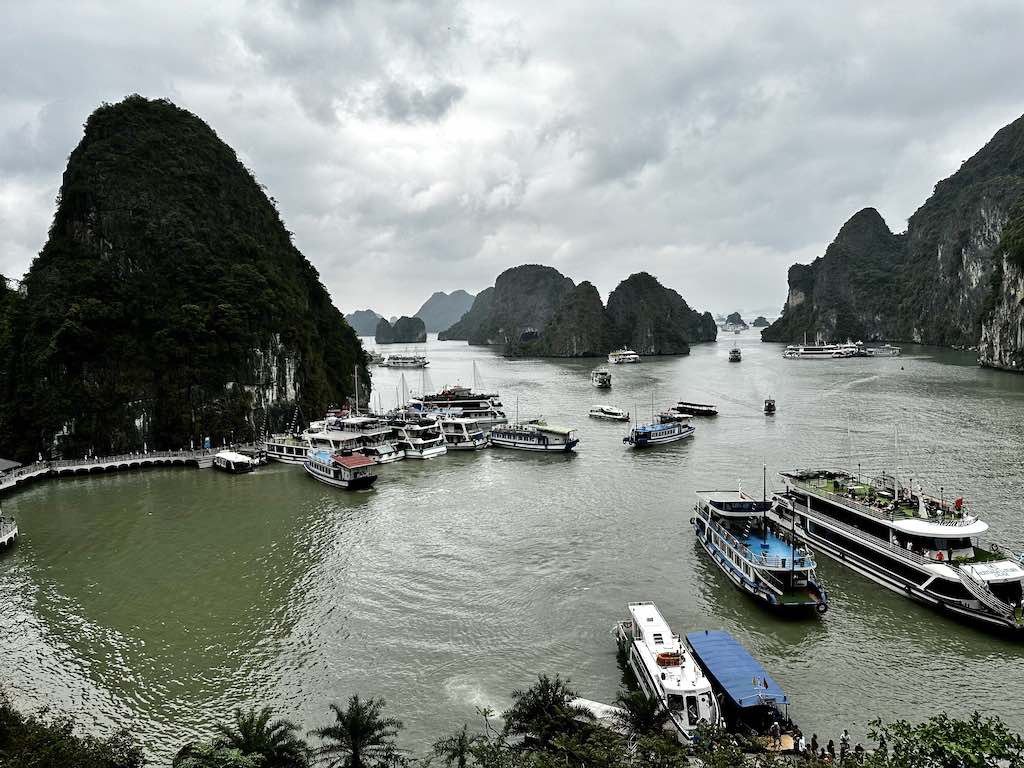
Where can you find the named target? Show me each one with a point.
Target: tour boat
(534, 436)
(619, 356)
(374, 358)
(917, 545)
(342, 470)
(287, 449)
(820, 352)
(666, 428)
(695, 409)
(463, 434)
(608, 413)
(769, 406)
(483, 408)
(886, 350)
(735, 355)
(666, 670)
(382, 453)
(601, 378)
(758, 555)
(235, 463)
(418, 438)
(8, 531)
(404, 361)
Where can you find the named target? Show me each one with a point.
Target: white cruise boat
(917, 545)
(287, 449)
(666, 670)
(620, 356)
(821, 352)
(235, 463)
(418, 438)
(608, 413)
(463, 434)
(341, 470)
(333, 433)
(404, 361)
(601, 378)
(534, 436)
(666, 428)
(483, 408)
(758, 556)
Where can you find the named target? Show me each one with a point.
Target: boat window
(692, 713)
(658, 639)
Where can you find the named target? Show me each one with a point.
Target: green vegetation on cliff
(654, 320)
(363, 321)
(405, 330)
(579, 328)
(168, 303)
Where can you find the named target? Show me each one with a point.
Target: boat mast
(355, 376)
(764, 500)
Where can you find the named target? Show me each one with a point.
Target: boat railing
(951, 520)
(801, 561)
(859, 533)
(985, 596)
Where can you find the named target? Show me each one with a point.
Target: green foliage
(1012, 241)
(360, 736)
(36, 741)
(253, 733)
(545, 711)
(168, 289)
(944, 742)
(213, 756)
(641, 715)
(406, 330)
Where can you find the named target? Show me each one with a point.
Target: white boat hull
(519, 446)
(425, 453)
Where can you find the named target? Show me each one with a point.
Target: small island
(404, 330)
(735, 322)
(760, 322)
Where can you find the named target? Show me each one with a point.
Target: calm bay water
(160, 599)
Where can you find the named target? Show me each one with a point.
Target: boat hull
(606, 417)
(467, 445)
(425, 453)
(548, 448)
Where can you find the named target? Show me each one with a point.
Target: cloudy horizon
(418, 147)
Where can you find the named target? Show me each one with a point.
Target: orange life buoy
(668, 659)
(940, 556)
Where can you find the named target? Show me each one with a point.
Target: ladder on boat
(981, 591)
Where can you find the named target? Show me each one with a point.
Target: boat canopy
(554, 429)
(352, 462)
(951, 530)
(234, 457)
(736, 672)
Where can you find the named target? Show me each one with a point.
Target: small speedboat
(735, 355)
(769, 407)
(608, 413)
(601, 379)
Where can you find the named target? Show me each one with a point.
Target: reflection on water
(161, 599)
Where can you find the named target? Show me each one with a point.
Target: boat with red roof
(344, 469)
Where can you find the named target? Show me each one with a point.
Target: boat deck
(771, 547)
(740, 676)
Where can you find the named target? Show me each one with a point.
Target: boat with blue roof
(758, 555)
(666, 428)
(751, 700)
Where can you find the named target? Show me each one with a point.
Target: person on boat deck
(814, 743)
(775, 731)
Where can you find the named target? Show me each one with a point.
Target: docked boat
(336, 432)
(608, 413)
(749, 699)
(8, 531)
(917, 545)
(382, 453)
(534, 436)
(418, 438)
(758, 555)
(287, 449)
(463, 434)
(695, 409)
(404, 361)
(769, 406)
(620, 356)
(235, 463)
(666, 428)
(666, 670)
(886, 350)
(374, 358)
(348, 470)
(735, 355)
(601, 378)
(821, 351)
(483, 408)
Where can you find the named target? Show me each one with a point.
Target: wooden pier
(202, 459)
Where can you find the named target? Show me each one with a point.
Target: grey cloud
(409, 104)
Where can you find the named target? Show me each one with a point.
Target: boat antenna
(355, 375)
(517, 409)
(764, 500)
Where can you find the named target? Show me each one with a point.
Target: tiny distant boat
(760, 557)
(601, 379)
(374, 358)
(620, 356)
(235, 463)
(347, 470)
(608, 413)
(666, 671)
(749, 698)
(695, 409)
(404, 361)
(534, 436)
(769, 406)
(463, 434)
(735, 355)
(666, 428)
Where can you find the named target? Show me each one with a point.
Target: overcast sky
(415, 147)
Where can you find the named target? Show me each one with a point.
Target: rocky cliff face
(578, 328)
(941, 282)
(474, 318)
(168, 303)
(655, 320)
(760, 322)
(442, 310)
(405, 330)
